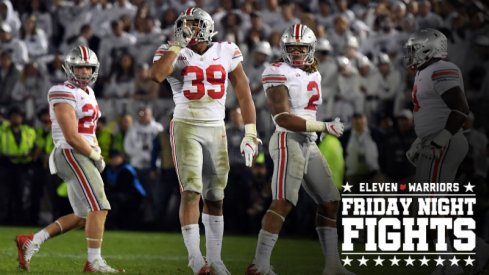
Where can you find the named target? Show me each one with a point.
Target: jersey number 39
(214, 74)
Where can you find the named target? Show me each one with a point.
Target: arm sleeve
(272, 76)
(60, 94)
(446, 78)
(236, 55)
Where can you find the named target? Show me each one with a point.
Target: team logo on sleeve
(416, 226)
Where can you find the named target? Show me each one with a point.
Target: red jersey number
(313, 100)
(86, 124)
(214, 74)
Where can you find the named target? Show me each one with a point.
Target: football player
(197, 70)
(294, 92)
(440, 109)
(74, 112)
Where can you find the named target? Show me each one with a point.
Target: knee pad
(213, 195)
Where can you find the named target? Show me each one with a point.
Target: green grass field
(154, 253)
(164, 253)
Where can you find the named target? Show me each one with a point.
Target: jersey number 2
(210, 75)
(86, 124)
(312, 104)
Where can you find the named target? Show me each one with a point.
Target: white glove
(413, 153)
(182, 36)
(97, 159)
(100, 164)
(335, 128)
(249, 144)
(434, 149)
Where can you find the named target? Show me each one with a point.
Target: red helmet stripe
(84, 52)
(189, 11)
(297, 32)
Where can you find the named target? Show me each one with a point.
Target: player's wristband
(315, 126)
(250, 130)
(94, 155)
(175, 49)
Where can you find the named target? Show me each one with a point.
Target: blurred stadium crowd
(360, 53)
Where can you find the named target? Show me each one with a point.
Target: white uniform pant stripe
(82, 179)
(173, 153)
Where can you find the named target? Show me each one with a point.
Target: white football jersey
(430, 111)
(304, 89)
(199, 82)
(86, 110)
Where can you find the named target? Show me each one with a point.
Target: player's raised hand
(335, 127)
(182, 35)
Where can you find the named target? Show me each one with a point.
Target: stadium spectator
(370, 83)
(54, 68)
(397, 141)
(76, 160)
(254, 67)
(234, 201)
(71, 16)
(426, 18)
(362, 148)
(9, 76)
(138, 145)
(114, 44)
(328, 68)
(38, 9)
(295, 155)
(31, 90)
(124, 123)
(198, 134)
(34, 38)
(125, 193)
(16, 46)
(17, 146)
(9, 16)
(349, 99)
(148, 38)
(257, 32)
(120, 87)
(338, 35)
(259, 195)
(84, 38)
(390, 84)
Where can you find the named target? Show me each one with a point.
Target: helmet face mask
(81, 56)
(298, 44)
(424, 45)
(202, 25)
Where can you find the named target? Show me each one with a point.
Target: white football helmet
(206, 24)
(298, 35)
(81, 56)
(424, 45)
